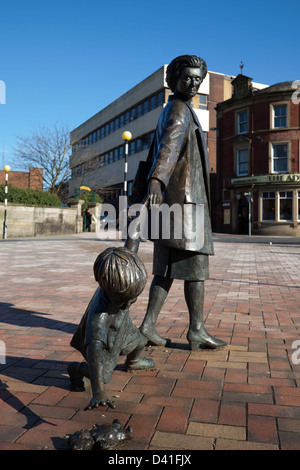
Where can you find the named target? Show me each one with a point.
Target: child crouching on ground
(106, 331)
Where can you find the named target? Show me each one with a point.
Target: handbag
(140, 183)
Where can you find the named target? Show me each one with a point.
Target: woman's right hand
(155, 192)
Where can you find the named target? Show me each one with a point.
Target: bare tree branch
(48, 149)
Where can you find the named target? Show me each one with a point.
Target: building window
(160, 98)
(268, 205)
(286, 205)
(152, 102)
(279, 116)
(116, 154)
(202, 102)
(280, 158)
(133, 114)
(127, 118)
(139, 110)
(242, 122)
(146, 106)
(242, 162)
(132, 147)
(138, 145)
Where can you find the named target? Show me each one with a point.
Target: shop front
(266, 204)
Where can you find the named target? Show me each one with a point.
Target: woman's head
(175, 68)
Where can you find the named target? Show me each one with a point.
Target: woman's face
(189, 81)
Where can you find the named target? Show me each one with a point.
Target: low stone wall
(31, 221)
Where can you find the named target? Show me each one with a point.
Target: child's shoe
(143, 363)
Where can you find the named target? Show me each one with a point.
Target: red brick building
(258, 160)
(32, 179)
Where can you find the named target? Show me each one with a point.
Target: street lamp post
(123, 213)
(6, 169)
(126, 137)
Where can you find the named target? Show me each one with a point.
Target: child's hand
(99, 400)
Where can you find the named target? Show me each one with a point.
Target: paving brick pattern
(244, 397)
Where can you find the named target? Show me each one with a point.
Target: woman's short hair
(175, 67)
(121, 274)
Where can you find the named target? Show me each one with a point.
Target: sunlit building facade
(258, 159)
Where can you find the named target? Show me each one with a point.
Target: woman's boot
(197, 334)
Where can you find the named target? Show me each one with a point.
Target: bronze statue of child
(106, 331)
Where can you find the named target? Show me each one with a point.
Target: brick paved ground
(246, 396)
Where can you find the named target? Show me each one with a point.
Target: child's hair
(121, 274)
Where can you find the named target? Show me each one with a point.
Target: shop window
(226, 195)
(268, 205)
(279, 116)
(285, 205)
(242, 162)
(242, 122)
(280, 158)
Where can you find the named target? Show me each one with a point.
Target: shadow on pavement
(28, 318)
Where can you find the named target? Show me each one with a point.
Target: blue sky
(62, 61)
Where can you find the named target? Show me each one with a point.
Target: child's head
(121, 274)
